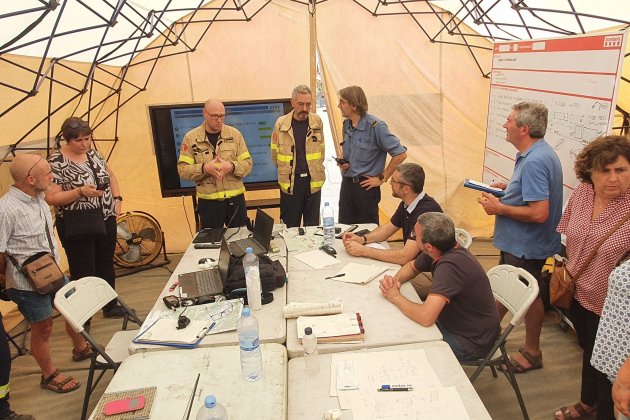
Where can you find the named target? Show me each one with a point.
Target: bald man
(215, 156)
(24, 221)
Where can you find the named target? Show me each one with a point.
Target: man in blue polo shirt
(528, 213)
(366, 143)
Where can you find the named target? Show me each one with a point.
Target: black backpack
(272, 274)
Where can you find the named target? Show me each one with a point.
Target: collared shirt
(537, 177)
(366, 146)
(612, 343)
(583, 233)
(406, 217)
(23, 221)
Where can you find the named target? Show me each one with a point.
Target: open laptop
(213, 235)
(260, 239)
(206, 282)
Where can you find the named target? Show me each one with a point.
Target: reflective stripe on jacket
(283, 152)
(197, 150)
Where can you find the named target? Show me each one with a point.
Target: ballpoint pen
(334, 277)
(387, 388)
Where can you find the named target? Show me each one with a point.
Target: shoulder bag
(41, 270)
(81, 223)
(562, 283)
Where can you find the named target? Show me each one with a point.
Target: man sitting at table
(407, 183)
(460, 301)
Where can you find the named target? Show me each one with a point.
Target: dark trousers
(301, 205)
(356, 204)
(92, 255)
(5, 370)
(216, 214)
(596, 388)
(533, 267)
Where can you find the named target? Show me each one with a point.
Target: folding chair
(515, 289)
(78, 301)
(463, 237)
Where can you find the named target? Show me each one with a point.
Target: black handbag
(82, 223)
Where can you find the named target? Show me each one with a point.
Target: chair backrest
(463, 237)
(515, 288)
(78, 300)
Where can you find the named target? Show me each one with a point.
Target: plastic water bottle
(248, 338)
(252, 279)
(211, 410)
(309, 341)
(328, 222)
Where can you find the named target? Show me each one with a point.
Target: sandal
(86, 353)
(565, 412)
(52, 385)
(534, 361)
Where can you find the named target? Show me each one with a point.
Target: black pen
(334, 277)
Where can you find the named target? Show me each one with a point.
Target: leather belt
(358, 179)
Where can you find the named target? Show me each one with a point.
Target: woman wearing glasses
(85, 192)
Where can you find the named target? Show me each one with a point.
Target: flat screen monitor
(254, 119)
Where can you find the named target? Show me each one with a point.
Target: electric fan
(139, 239)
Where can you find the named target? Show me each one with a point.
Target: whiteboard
(577, 78)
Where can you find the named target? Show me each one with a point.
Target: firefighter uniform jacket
(197, 150)
(283, 152)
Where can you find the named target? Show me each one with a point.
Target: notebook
(213, 235)
(206, 282)
(260, 239)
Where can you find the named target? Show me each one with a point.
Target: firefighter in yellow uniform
(297, 149)
(215, 156)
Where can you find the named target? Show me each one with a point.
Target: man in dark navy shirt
(407, 184)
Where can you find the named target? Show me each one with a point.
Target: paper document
(359, 273)
(480, 186)
(295, 309)
(317, 259)
(341, 328)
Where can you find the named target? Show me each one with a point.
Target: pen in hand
(334, 277)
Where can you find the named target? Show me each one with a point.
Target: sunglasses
(36, 163)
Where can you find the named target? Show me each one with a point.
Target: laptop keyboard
(209, 235)
(207, 282)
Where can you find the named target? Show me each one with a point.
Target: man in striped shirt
(24, 219)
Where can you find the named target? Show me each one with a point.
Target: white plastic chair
(463, 237)
(77, 302)
(516, 289)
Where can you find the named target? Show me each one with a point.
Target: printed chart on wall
(577, 78)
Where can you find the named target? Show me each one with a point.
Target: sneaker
(15, 416)
(115, 312)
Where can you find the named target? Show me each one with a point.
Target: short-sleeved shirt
(366, 146)
(70, 175)
(612, 343)
(470, 312)
(583, 233)
(537, 177)
(23, 221)
(406, 217)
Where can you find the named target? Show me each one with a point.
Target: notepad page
(329, 325)
(360, 273)
(165, 331)
(482, 184)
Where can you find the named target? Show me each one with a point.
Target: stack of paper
(341, 328)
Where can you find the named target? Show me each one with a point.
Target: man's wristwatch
(118, 198)
(364, 240)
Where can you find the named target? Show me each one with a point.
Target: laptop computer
(213, 235)
(260, 239)
(206, 282)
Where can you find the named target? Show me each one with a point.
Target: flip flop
(52, 385)
(565, 412)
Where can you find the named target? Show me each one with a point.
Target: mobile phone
(362, 232)
(209, 245)
(102, 187)
(124, 405)
(340, 161)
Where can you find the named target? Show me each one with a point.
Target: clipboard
(163, 332)
(480, 186)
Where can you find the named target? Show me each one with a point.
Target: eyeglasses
(77, 123)
(216, 117)
(36, 163)
(226, 311)
(392, 182)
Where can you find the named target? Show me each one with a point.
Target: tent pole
(312, 23)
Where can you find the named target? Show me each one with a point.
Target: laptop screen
(224, 261)
(263, 228)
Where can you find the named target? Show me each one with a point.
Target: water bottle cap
(210, 401)
(249, 250)
(326, 204)
(246, 312)
(308, 331)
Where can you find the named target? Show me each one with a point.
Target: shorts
(532, 266)
(33, 306)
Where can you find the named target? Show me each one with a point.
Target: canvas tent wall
(431, 94)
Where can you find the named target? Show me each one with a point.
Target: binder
(480, 186)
